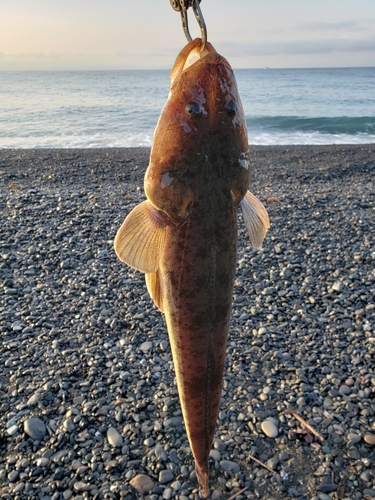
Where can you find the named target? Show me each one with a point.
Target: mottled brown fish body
(198, 264)
(198, 271)
(184, 236)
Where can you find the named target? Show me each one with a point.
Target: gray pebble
(12, 430)
(216, 455)
(323, 496)
(353, 438)
(165, 476)
(269, 429)
(219, 445)
(272, 463)
(42, 462)
(114, 438)
(160, 454)
(146, 346)
(20, 487)
(167, 494)
(35, 428)
(176, 485)
(229, 466)
(34, 399)
(13, 475)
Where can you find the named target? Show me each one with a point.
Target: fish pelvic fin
(141, 238)
(154, 287)
(256, 219)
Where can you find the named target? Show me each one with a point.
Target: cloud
(43, 55)
(293, 47)
(338, 26)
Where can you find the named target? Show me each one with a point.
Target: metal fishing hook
(182, 7)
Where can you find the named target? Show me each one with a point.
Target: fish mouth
(191, 56)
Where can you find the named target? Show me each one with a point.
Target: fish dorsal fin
(140, 239)
(154, 287)
(256, 219)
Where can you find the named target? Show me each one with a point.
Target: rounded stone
(35, 428)
(114, 438)
(354, 438)
(19, 488)
(165, 476)
(69, 425)
(149, 441)
(34, 399)
(80, 486)
(176, 485)
(345, 389)
(219, 445)
(142, 483)
(323, 496)
(370, 439)
(146, 346)
(269, 429)
(12, 430)
(42, 462)
(230, 467)
(167, 493)
(215, 454)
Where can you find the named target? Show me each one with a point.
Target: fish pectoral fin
(154, 287)
(256, 219)
(140, 239)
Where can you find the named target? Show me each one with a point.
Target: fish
(184, 235)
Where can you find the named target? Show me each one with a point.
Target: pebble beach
(89, 406)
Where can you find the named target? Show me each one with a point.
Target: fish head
(201, 135)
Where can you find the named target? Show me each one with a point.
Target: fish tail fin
(203, 479)
(256, 218)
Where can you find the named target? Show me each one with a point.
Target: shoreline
(83, 349)
(97, 161)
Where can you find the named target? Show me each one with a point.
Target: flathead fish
(184, 236)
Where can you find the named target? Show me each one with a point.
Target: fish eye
(231, 107)
(193, 109)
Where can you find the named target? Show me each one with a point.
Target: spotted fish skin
(184, 236)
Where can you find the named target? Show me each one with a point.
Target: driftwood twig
(238, 493)
(304, 423)
(262, 464)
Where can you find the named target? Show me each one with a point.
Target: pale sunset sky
(131, 34)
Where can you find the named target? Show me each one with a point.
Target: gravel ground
(88, 401)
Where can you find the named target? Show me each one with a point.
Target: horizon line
(265, 68)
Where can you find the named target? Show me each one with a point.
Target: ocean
(92, 109)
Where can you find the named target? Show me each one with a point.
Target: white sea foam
(311, 138)
(145, 140)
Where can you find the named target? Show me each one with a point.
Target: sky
(147, 34)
